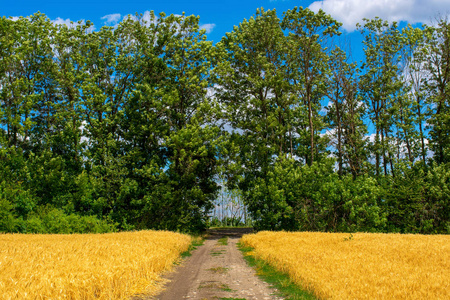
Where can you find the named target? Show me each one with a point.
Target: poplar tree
(414, 69)
(308, 60)
(345, 114)
(380, 84)
(437, 86)
(253, 89)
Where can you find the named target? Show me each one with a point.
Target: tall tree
(414, 72)
(69, 75)
(437, 86)
(254, 88)
(381, 84)
(308, 33)
(254, 92)
(345, 114)
(168, 136)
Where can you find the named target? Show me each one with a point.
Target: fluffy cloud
(146, 17)
(111, 19)
(61, 21)
(350, 12)
(72, 24)
(208, 27)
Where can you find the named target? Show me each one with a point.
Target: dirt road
(217, 271)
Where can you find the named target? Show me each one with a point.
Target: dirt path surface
(217, 271)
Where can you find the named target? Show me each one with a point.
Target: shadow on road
(218, 233)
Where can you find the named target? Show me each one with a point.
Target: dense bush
(52, 220)
(314, 198)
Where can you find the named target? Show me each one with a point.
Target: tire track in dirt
(216, 271)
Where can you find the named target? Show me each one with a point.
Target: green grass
(216, 285)
(232, 299)
(196, 242)
(217, 253)
(226, 288)
(280, 281)
(223, 241)
(219, 270)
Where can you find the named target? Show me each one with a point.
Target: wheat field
(361, 265)
(86, 266)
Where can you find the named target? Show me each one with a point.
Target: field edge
(279, 280)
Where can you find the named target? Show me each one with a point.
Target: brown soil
(216, 271)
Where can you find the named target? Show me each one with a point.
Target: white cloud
(61, 21)
(208, 27)
(146, 18)
(370, 137)
(350, 12)
(111, 19)
(131, 17)
(72, 24)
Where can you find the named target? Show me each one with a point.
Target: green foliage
(417, 200)
(315, 198)
(308, 60)
(108, 124)
(345, 115)
(52, 220)
(139, 126)
(381, 85)
(437, 85)
(8, 219)
(438, 206)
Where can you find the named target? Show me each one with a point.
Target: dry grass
(90, 266)
(361, 266)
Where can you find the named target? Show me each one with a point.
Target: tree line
(131, 127)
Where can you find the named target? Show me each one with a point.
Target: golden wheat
(86, 266)
(360, 266)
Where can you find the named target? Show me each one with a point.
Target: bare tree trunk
(377, 152)
(311, 129)
(422, 140)
(338, 115)
(383, 149)
(402, 121)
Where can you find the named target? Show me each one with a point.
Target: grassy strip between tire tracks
(280, 281)
(223, 241)
(197, 241)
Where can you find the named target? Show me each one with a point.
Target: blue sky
(219, 17)
(223, 14)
